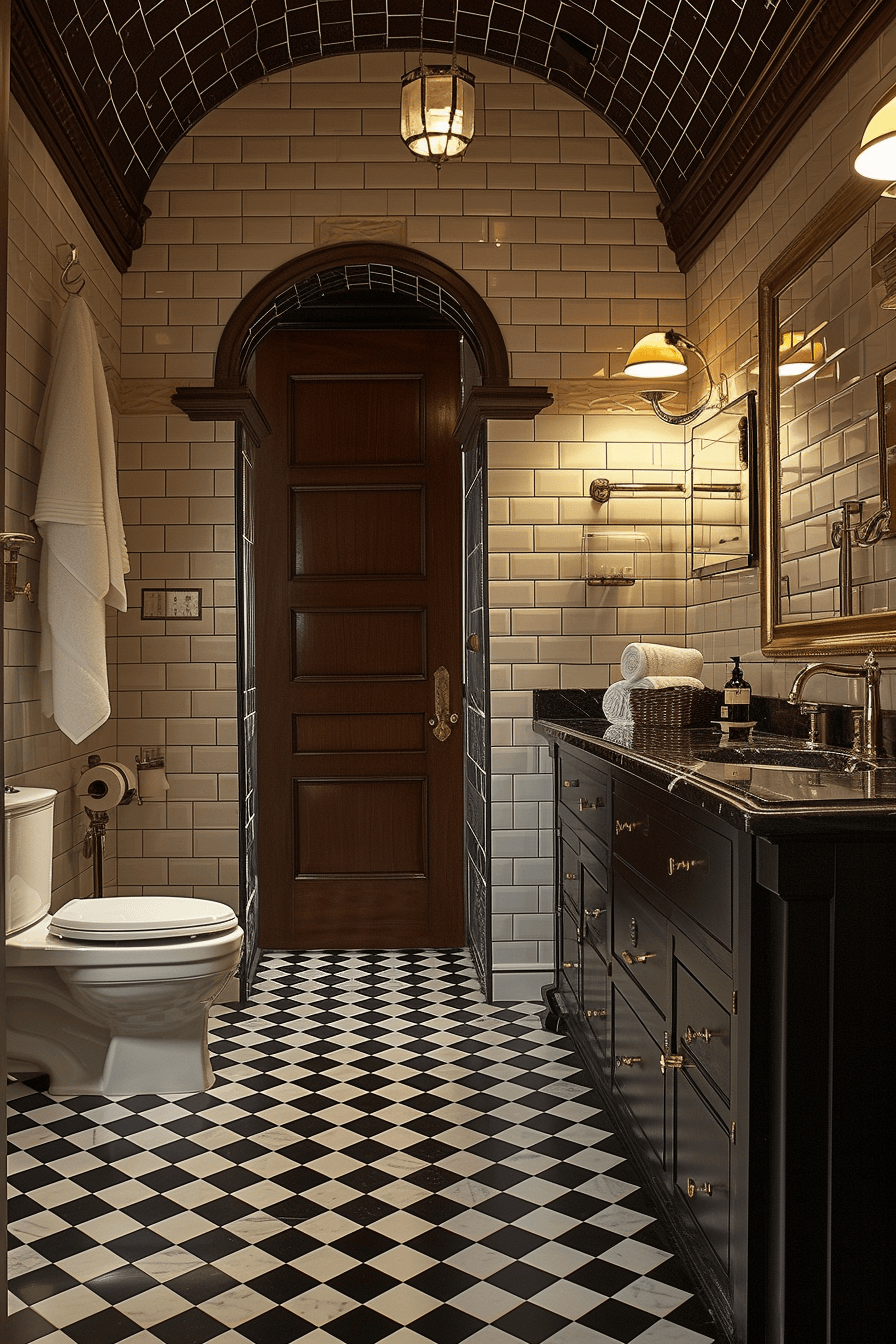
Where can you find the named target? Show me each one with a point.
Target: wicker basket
(675, 707)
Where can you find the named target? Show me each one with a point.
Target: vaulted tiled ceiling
(693, 86)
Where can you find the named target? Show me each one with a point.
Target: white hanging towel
(84, 558)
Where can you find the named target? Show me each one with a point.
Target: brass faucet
(870, 670)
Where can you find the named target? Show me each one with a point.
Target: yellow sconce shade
(877, 154)
(438, 106)
(655, 357)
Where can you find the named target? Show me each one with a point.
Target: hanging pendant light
(437, 111)
(877, 153)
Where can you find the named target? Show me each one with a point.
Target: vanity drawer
(700, 1017)
(584, 797)
(703, 1166)
(641, 943)
(637, 1076)
(685, 860)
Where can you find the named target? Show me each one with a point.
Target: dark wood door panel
(359, 546)
(380, 827)
(354, 421)
(367, 532)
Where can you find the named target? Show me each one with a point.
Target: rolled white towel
(617, 704)
(659, 660)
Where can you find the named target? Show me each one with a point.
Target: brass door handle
(440, 725)
(633, 961)
(684, 865)
(692, 1035)
(624, 827)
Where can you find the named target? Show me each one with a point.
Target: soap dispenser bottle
(736, 701)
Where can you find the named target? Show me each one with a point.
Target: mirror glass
(723, 490)
(826, 368)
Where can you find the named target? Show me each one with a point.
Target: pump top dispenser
(736, 700)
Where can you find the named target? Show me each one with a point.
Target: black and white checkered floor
(383, 1157)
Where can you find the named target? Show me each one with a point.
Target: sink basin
(782, 758)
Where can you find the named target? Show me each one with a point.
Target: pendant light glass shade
(655, 357)
(437, 111)
(877, 154)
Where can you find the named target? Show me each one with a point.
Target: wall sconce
(798, 355)
(659, 356)
(877, 153)
(438, 107)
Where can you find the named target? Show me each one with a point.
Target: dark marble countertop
(780, 799)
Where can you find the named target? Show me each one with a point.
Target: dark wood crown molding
(497, 403)
(822, 44)
(224, 403)
(42, 84)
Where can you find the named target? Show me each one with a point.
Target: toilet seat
(122, 919)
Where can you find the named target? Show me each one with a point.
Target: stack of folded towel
(650, 667)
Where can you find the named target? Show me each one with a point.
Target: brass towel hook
(12, 543)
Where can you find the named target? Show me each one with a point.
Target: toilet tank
(28, 821)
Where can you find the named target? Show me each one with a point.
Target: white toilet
(107, 996)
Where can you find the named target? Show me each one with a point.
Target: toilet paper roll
(152, 783)
(106, 785)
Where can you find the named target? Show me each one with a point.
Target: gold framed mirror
(826, 380)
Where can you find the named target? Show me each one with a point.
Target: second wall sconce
(659, 355)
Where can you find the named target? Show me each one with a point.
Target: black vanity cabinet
(720, 980)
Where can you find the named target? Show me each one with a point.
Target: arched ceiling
(697, 88)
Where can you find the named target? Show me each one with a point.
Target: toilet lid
(122, 919)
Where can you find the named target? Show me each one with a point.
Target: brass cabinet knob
(571, 965)
(627, 1061)
(570, 783)
(596, 912)
(694, 1189)
(570, 877)
(595, 1012)
(632, 961)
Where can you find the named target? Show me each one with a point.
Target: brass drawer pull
(570, 877)
(570, 783)
(625, 827)
(629, 1061)
(596, 912)
(632, 961)
(692, 1035)
(595, 1012)
(671, 1062)
(694, 1189)
(571, 965)
(585, 806)
(684, 865)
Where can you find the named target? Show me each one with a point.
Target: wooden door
(358, 599)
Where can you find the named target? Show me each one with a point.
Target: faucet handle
(811, 707)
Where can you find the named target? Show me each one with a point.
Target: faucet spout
(869, 671)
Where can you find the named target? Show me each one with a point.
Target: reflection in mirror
(829, 557)
(723, 490)
(886, 417)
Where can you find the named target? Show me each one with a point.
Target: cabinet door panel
(571, 956)
(636, 1071)
(595, 902)
(584, 794)
(703, 1166)
(640, 943)
(698, 1015)
(595, 996)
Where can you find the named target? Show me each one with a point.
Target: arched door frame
(231, 398)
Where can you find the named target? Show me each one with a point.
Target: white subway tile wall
(553, 221)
